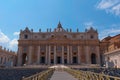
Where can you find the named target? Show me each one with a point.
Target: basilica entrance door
(58, 60)
(24, 58)
(65, 61)
(93, 58)
(42, 60)
(74, 60)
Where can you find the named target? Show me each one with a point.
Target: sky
(103, 15)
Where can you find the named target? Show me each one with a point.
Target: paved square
(62, 75)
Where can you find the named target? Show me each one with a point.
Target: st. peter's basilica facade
(59, 46)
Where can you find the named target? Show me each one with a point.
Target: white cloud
(109, 32)
(105, 4)
(6, 42)
(88, 25)
(116, 9)
(110, 6)
(3, 38)
(16, 33)
(13, 43)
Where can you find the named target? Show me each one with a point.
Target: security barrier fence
(87, 75)
(44, 75)
(79, 74)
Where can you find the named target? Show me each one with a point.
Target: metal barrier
(44, 75)
(87, 75)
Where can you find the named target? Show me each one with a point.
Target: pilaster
(38, 55)
(49, 56)
(87, 54)
(62, 54)
(54, 54)
(78, 54)
(19, 63)
(71, 60)
(30, 55)
(98, 55)
(46, 55)
(68, 57)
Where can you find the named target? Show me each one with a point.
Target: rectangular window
(65, 48)
(59, 48)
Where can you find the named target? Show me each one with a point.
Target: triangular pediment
(59, 28)
(26, 30)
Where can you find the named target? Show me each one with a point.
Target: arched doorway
(24, 58)
(42, 60)
(93, 58)
(65, 61)
(59, 60)
(74, 60)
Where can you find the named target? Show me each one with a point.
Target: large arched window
(93, 58)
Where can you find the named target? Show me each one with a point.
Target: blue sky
(103, 15)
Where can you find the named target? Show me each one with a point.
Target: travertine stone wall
(59, 46)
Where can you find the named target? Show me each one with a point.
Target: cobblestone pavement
(62, 75)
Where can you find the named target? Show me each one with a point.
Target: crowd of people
(106, 71)
(18, 73)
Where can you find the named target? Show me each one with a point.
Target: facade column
(87, 54)
(54, 54)
(81, 50)
(49, 56)
(19, 63)
(78, 54)
(98, 55)
(30, 55)
(71, 55)
(46, 55)
(68, 57)
(62, 54)
(38, 55)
